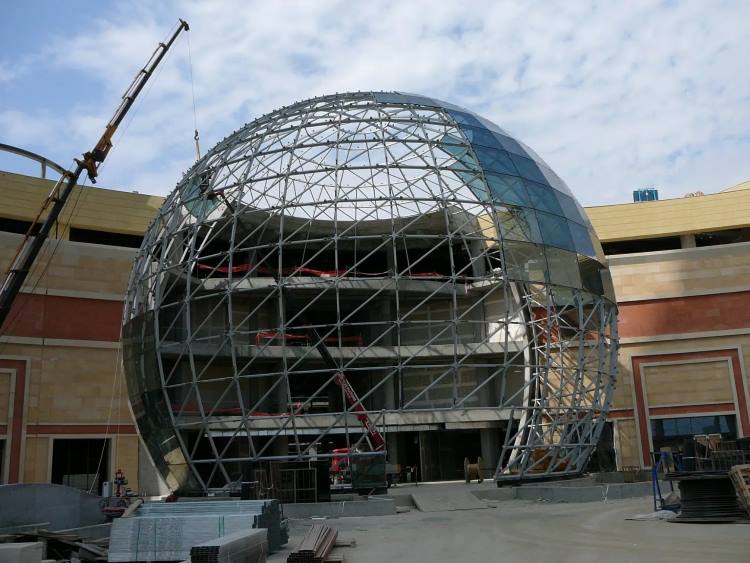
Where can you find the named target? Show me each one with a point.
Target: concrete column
(391, 443)
(687, 241)
(490, 445)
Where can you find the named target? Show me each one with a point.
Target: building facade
(680, 269)
(64, 415)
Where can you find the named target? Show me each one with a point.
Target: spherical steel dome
(446, 270)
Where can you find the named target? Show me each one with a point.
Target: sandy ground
(516, 530)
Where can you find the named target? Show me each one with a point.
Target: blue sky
(614, 96)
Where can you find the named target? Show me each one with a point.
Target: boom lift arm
(29, 249)
(375, 437)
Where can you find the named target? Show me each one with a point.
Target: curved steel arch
(43, 161)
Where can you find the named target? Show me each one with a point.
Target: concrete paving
(432, 499)
(520, 531)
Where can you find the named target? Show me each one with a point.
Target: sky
(613, 95)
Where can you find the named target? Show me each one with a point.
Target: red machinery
(377, 443)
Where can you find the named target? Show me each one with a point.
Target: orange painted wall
(73, 318)
(685, 314)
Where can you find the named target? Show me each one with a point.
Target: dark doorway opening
(82, 463)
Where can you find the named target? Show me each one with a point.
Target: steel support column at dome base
(453, 277)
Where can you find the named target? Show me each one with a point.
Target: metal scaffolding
(450, 272)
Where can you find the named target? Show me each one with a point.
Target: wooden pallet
(740, 475)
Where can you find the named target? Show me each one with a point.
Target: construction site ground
(533, 531)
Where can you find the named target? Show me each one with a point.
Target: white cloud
(613, 95)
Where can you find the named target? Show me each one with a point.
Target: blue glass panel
(511, 145)
(569, 207)
(582, 239)
(554, 180)
(399, 98)
(543, 198)
(528, 169)
(532, 153)
(518, 223)
(493, 160)
(481, 136)
(507, 189)
(491, 126)
(464, 118)
(555, 230)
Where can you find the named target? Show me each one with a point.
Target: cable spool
(473, 470)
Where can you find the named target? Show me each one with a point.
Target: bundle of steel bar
(316, 545)
(247, 546)
(707, 496)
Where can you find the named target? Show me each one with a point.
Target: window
(672, 432)
(82, 463)
(105, 237)
(728, 236)
(641, 245)
(16, 226)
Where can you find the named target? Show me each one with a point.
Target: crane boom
(32, 244)
(375, 437)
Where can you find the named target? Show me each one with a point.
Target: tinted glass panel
(528, 168)
(554, 180)
(518, 223)
(394, 98)
(491, 126)
(581, 239)
(543, 198)
(511, 145)
(569, 207)
(507, 189)
(493, 160)
(563, 267)
(524, 261)
(591, 280)
(608, 286)
(481, 136)
(672, 432)
(465, 118)
(555, 231)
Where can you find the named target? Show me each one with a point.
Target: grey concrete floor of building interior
(520, 531)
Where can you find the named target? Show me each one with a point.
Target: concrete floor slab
(524, 531)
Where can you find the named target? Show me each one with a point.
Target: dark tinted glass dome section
(443, 265)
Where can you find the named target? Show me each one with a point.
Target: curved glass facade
(450, 273)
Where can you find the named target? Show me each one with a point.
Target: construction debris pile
(710, 478)
(316, 545)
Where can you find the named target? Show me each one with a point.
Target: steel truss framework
(450, 272)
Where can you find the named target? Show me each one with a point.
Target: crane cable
(192, 89)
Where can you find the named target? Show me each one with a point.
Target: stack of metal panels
(316, 545)
(166, 531)
(249, 546)
(268, 514)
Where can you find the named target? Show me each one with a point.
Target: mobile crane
(341, 462)
(28, 251)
